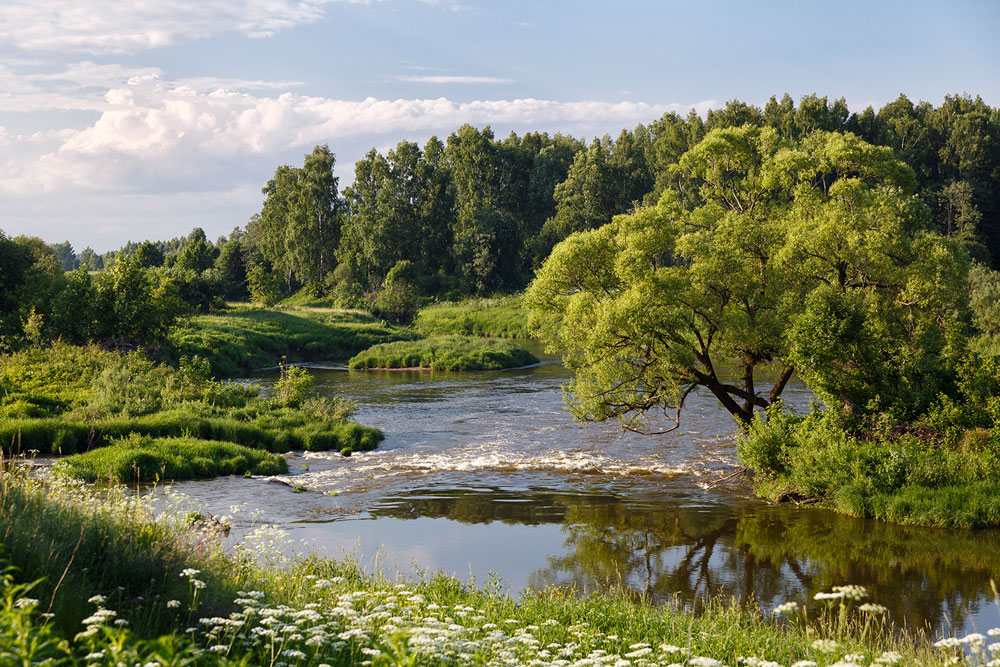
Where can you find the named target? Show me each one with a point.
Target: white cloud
(153, 135)
(441, 78)
(126, 26)
(83, 86)
(174, 154)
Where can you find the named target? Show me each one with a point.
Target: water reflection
(662, 548)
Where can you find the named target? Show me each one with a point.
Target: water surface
(486, 473)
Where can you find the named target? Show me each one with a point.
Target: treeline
(478, 214)
(475, 214)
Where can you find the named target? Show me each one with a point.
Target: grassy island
(445, 353)
(66, 400)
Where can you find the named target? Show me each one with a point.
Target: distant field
(499, 317)
(239, 342)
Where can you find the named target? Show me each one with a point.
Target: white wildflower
(25, 602)
(97, 599)
(947, 642)
(974, 638)
(804, 663)
(189, 572)
(786, 608)
(173, 604)
(872, 608)
(825, 645)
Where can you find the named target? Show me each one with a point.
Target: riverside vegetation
(161, 421)
(97, 578)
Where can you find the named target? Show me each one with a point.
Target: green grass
(48, 408)
(445, 353)
(239, 342)
(143, 459)
(314, 610)
(497, 317)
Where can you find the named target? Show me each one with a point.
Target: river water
(486, 474)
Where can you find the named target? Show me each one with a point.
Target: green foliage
(815, 256)
(135, 304)
(397, 299)
(293, 387)
(66, 399)
(264, 287)
(445, 353)
(137, 458)
(937, 472)
(496, 317)
(298, 228)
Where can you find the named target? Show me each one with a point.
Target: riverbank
(943, 470)
(161, 578)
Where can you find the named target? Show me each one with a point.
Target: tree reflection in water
(746, 550)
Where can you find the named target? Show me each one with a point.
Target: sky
(142, 119)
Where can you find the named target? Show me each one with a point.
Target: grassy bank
(941, 471)
(236, 343)
(497, 317)
(186, 603)
(445, 353)
(65, 399)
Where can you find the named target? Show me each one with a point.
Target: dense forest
(473, 214)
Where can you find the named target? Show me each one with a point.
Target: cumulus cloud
(125, 26)
(152, 132)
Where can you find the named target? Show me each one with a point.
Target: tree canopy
(814, 256)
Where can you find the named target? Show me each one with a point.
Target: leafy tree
(397, 299)
(232, 268)
(298, 228)
(66, 256)
(73, 310)
(90, 260)
(149, 255)
(196, 256)
(488, 253)
(396, 214)
(264, 285)
(816, 256)
(135, 305)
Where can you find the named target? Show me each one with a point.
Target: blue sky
(136, 119)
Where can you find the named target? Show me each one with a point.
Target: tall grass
(497, 317)
(445, 353)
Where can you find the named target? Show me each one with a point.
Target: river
(486, 475)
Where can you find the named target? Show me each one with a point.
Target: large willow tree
(762, 258)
